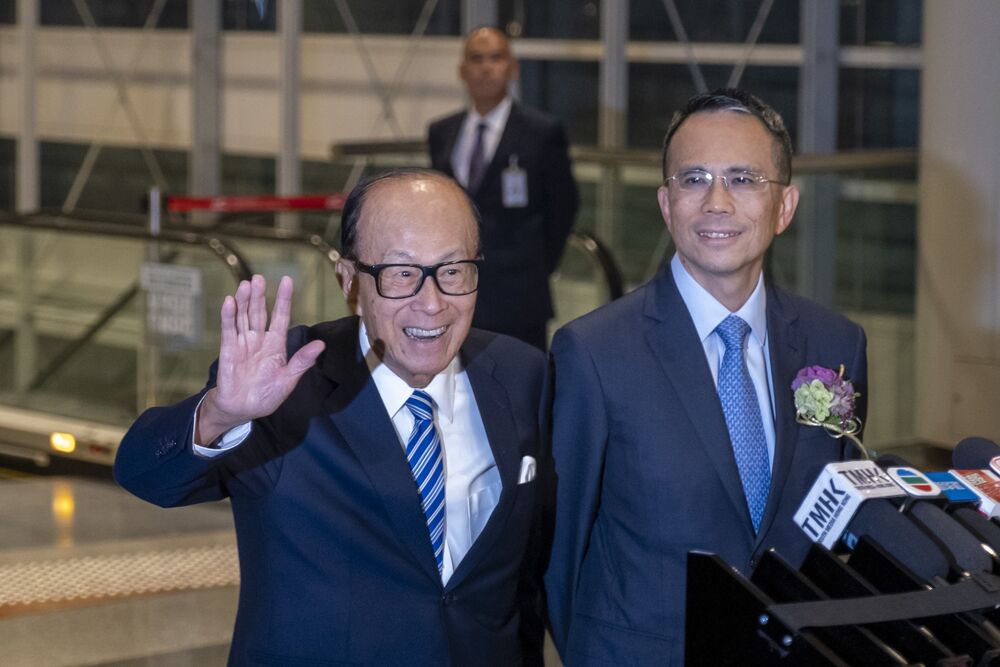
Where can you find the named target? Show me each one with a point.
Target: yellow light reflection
(63, 442)
(63, 512)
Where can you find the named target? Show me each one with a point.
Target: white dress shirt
(708, 313)
(496, 121)
(472, 479)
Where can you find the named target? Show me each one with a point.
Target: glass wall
(878, 108)
(875, 213)
(567, 19)
(880, 22)
(547, 84)
(715, 21)
(133, 14)
(656, 91)
(120, 178)
(381, 17)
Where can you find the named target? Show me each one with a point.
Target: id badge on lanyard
(515, 185)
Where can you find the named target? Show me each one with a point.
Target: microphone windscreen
(979, 525)
(964, 546)
(974, 453)
(901, 538)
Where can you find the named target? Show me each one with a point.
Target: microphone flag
(836, 495)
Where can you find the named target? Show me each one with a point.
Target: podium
(733, 621)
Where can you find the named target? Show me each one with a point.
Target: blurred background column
(289, 163)
(477, 13)
(27, 198)
(205, 164)
(611, 119)
(816, 220)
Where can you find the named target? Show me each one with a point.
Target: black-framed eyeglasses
(399, 281)
(698, 182)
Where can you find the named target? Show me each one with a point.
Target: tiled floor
(90, 575)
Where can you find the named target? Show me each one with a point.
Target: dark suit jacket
(646, 470)
(335, 560)
(522, 246)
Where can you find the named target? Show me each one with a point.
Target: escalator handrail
(223, 251)
(600, 253)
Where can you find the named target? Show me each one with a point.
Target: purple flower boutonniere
(824, 397)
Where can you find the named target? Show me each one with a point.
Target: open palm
(254, 374)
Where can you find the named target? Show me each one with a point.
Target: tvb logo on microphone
(915, 483)
(836, 495)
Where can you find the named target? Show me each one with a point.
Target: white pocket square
(527, 470)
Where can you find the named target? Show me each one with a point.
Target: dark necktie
(477, 160)
(742, 410)
(423, 453)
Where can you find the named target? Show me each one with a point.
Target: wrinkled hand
(254, 375)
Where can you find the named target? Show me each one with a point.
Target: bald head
(494, 35)
(366, 198)
(487, 68)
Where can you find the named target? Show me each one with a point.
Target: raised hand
(254, 375)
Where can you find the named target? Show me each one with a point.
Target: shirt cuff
(230, 439)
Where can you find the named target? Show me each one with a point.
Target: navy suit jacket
(522, 246)
(335, 561)
(646, 470)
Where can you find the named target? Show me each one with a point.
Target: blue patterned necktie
(423, 453)
(477, 159)
(742, 410)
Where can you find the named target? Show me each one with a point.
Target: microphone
(923, 506)
(976, 463)
(852, 502)
(848, 500)
(985, 485)
(961, 502)
(974, 452)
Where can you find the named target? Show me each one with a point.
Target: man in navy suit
(381, 469)
(650, 462)
(514, 163)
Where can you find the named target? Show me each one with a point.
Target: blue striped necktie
(742, 410)
(423, 453)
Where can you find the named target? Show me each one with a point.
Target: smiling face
(487, 68)
(421, 219)
(721, 239)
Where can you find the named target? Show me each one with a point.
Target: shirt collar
(496, 118)
(394, 390)
(708, 313)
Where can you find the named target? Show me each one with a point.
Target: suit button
(447, 599)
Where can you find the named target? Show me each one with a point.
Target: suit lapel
(453, 128)
(501, 431)
(358, 413)
(671, 335)
(787, 352)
